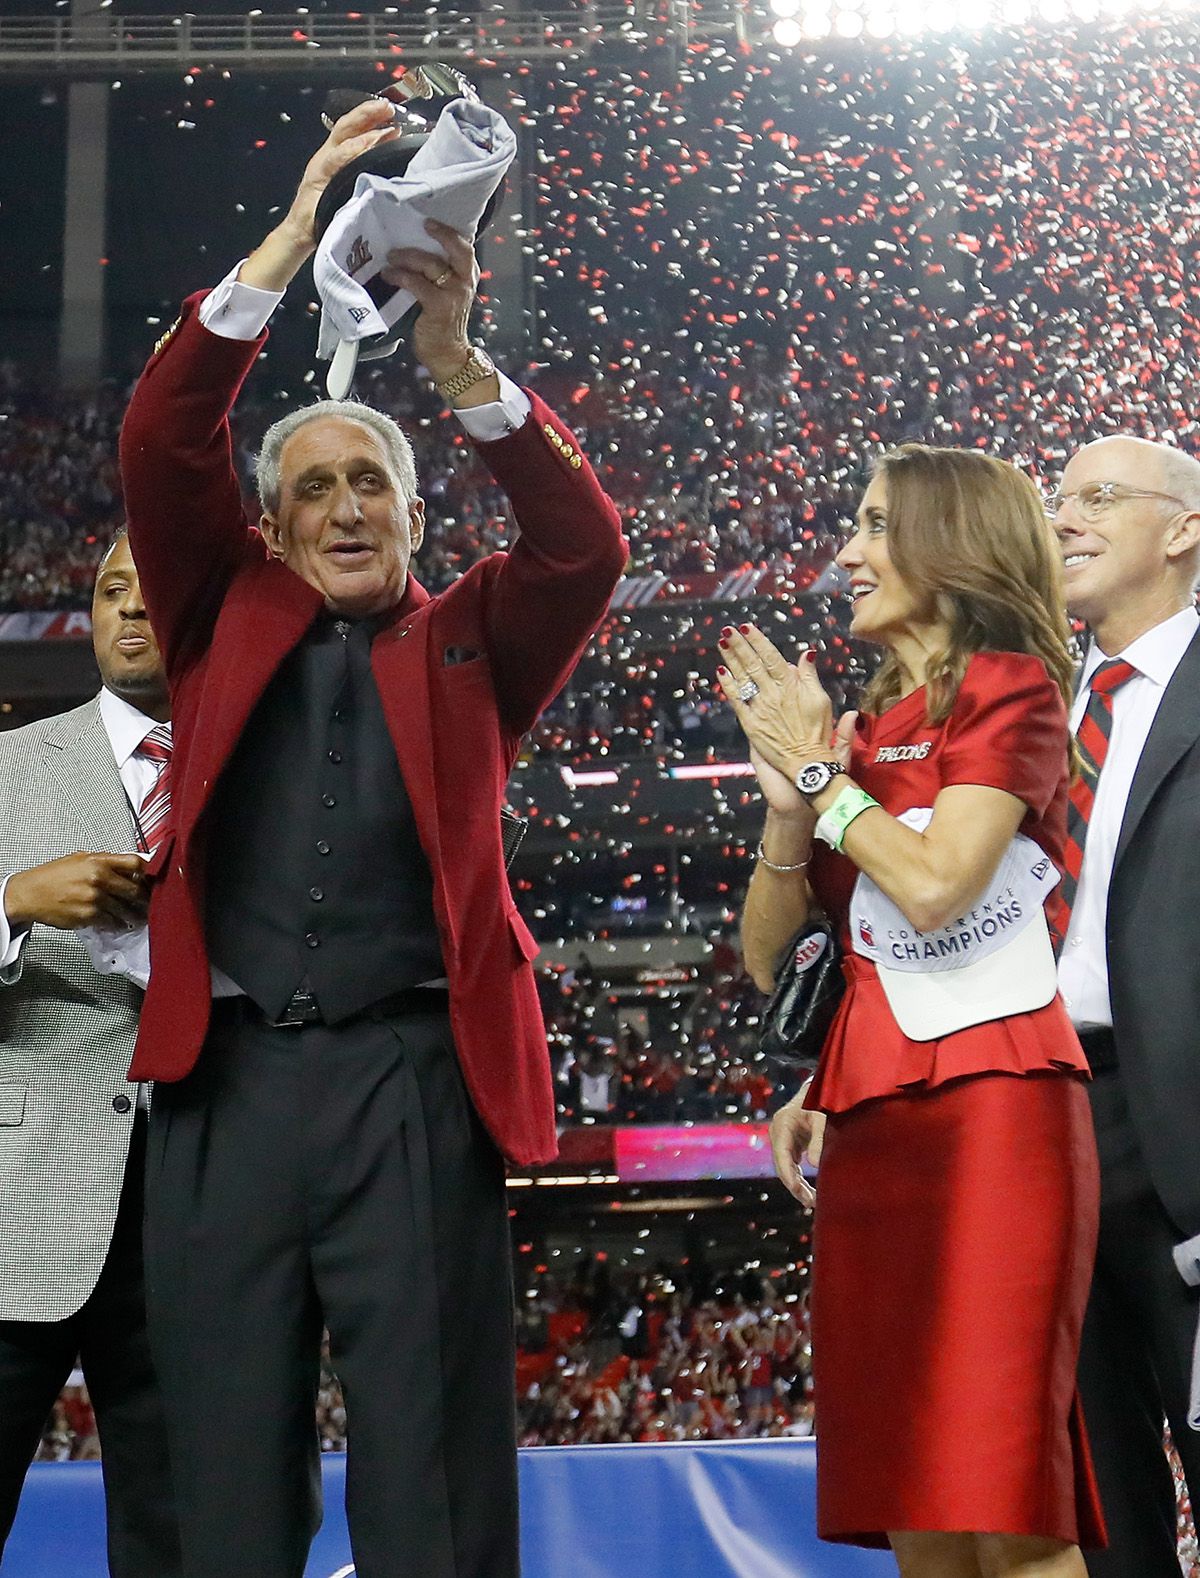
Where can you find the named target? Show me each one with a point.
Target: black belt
(1100, 1049)
(303, 1009)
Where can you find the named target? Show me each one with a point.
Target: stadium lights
(585, 780)
(564, 1180)
(713, 770)
(909, 18)
(785, 8)
(787, 32)
(591, 779)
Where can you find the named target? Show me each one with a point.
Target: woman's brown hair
(969, 533)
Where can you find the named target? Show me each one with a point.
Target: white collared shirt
(1083, 967)
(241, 312)
(127, 727)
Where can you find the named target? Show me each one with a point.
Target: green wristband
(832, 824)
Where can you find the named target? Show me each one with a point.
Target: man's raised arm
(183, 501)
(554, 586)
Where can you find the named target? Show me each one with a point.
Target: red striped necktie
(154, 813)
(1092, 737)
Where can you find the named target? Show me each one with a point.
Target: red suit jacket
(226, 614)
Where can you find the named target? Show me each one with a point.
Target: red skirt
(955, 1233)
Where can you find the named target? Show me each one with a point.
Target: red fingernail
(726, 630)
(811, 656)
(745, 629)
(722, 642)
(722, 673)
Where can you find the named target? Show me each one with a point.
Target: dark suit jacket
(226, 615)
(1153, 958)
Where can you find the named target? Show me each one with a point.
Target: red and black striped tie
(154, 813)
(1092, 738)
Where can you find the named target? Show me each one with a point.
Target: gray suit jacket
(66, 1031)
(1153, 964)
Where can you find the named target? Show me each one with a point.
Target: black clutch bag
(807, 992)
(512, 831)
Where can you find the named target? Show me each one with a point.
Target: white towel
(1187, 1258)
(451, 178)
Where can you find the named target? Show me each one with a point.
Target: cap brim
(1016, 979)
(339, 380)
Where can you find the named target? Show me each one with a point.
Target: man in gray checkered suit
(72, 1130)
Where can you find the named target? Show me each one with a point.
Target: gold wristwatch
(478, 365)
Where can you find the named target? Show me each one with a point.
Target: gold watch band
(479, 365)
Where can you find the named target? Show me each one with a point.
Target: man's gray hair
(396, 446)
(1180, 475)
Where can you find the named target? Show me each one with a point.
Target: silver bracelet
(761, 855)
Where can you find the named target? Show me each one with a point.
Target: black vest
(315, 873)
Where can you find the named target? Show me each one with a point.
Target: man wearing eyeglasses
(1128, 522)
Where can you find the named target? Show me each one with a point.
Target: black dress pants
(108, 1336)
(310, 1177)
(1136, 1355)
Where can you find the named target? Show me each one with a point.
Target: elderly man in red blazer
(342, 1018)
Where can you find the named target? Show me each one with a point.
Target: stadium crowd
(686, 1058)
(60, 490)
(785, 268)
(662, 1357)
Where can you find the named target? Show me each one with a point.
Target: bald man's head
(1129, 529)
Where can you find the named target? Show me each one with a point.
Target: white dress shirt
(125, 950)
(240, 312)
(1083, 967)
(127, 727)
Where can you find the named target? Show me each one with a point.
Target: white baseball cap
(994, 960)
(452, 176)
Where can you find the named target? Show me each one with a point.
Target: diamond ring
(747, 690)
(443, 277)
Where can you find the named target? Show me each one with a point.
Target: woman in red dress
(956, 1227)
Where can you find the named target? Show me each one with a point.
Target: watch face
(813, 778)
